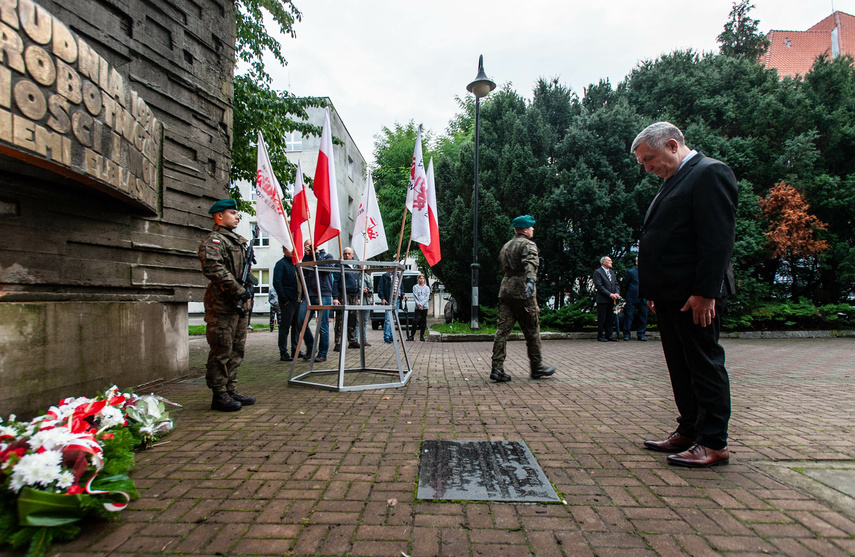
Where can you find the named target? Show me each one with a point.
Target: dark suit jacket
(688, 234)
(631, 283)
(285, 281)
(605, 284)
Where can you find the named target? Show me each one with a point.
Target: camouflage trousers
(526, 313)
(226, 334)
(353, 300)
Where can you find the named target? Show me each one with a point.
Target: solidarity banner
(268, 204)
(417, 196)
(369, 236)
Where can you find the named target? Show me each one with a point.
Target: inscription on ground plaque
(481, 471)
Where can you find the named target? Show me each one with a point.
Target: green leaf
(41, 508)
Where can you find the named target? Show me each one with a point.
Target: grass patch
(464, 329)
(200, 329)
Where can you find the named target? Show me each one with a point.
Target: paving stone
(307, 471)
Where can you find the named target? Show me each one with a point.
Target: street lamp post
(481, 87)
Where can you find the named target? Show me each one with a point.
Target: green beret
(523, 221)
(222, 205)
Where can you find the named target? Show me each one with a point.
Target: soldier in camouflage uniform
(518, 301)
(222, 254)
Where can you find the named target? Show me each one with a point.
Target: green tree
(257, 106)
(741, 36)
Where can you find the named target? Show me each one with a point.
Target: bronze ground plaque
(482, 471)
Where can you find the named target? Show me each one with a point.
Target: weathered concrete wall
(75, 253)
(82, 348)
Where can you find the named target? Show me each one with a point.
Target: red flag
(431, 250)
(299, 214)
(327, 219)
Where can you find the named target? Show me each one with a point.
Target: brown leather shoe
(699, 456)
(674, 444)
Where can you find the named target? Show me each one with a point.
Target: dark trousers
(419, 322)
(605, 319)
(629, 314)
(353, 300)
(275, 315)
(288, 322)
(698, 378)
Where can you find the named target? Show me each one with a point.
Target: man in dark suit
(685, 274)
(606, 286)
(634, 304)
(287, 288)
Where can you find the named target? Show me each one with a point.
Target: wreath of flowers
(73, 461)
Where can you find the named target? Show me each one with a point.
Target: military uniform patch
(215, 241)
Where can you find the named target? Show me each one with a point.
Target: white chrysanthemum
(36, 469)
(111, 416)
(68, 406)
(50, 439)
(6, 430)
(66, 480)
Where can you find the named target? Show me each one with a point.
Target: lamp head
(482, 85)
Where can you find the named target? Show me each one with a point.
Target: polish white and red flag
(431, 249)
(299, 213)
(268, 204)
(369, 236)
(417, 195)
(327, 218)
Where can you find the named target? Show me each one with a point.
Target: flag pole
(401, 235)
(365, 225)
(407, 254)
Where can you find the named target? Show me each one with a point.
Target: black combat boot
(224, 403)
(542, 371)
(499, 375)
(245, 400)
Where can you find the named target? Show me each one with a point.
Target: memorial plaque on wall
(63, 107)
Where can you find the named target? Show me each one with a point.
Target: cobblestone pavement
(307, 471)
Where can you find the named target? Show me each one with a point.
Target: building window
(294, 143)
(263, 239)
(350, 168)
(263, 276)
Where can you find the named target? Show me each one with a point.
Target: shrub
(571, 317)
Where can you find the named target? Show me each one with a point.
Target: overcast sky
(387, 61)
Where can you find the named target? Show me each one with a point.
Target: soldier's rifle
(247, 279)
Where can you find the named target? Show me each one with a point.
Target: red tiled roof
(793, 53)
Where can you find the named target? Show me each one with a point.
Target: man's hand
(529, 288)
(336, 303)
(651, 305)
(703, 309)
(245, 295)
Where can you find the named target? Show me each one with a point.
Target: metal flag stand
(404, 368)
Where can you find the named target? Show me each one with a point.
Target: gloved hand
(529, 288)
(245, 295)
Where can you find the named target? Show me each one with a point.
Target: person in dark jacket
(608, 294)
(685, 273)
(287, 288)
(351, 287)
(634, 304)
(324, 277)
